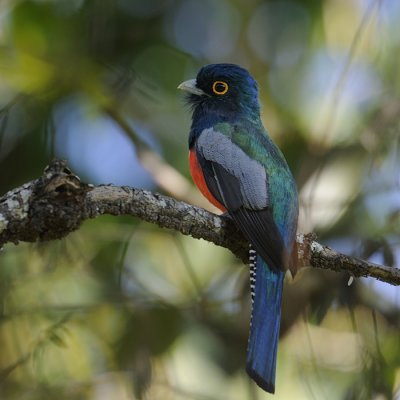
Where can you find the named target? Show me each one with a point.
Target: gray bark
(57, 203)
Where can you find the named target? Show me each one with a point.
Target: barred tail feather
(262, 348)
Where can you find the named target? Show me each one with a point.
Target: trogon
(239, 169)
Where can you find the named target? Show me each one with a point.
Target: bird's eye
(220, 87)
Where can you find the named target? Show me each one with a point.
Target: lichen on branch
(57, 203)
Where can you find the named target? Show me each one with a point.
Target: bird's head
(226, 90)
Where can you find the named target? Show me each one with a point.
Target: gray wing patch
(218, 148)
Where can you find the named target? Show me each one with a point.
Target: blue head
(222, 92)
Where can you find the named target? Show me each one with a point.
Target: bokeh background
(124, 310)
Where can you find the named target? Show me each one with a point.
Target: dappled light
(122, 309)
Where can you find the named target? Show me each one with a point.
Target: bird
(238, 168)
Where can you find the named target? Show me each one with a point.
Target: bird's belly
(198, 178)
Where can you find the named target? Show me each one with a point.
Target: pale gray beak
(190, 86)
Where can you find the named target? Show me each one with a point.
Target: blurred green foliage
(123, 310)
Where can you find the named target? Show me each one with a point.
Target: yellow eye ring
(220, 87)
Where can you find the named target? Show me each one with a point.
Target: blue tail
(266, 287)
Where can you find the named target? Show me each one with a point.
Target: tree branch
(57, 203)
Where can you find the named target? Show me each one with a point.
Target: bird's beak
(190, 86)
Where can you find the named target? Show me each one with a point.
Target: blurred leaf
(154, 329)
(330, 88)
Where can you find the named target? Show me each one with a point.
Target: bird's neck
(207, 118)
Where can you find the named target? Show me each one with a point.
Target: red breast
(198, 178)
